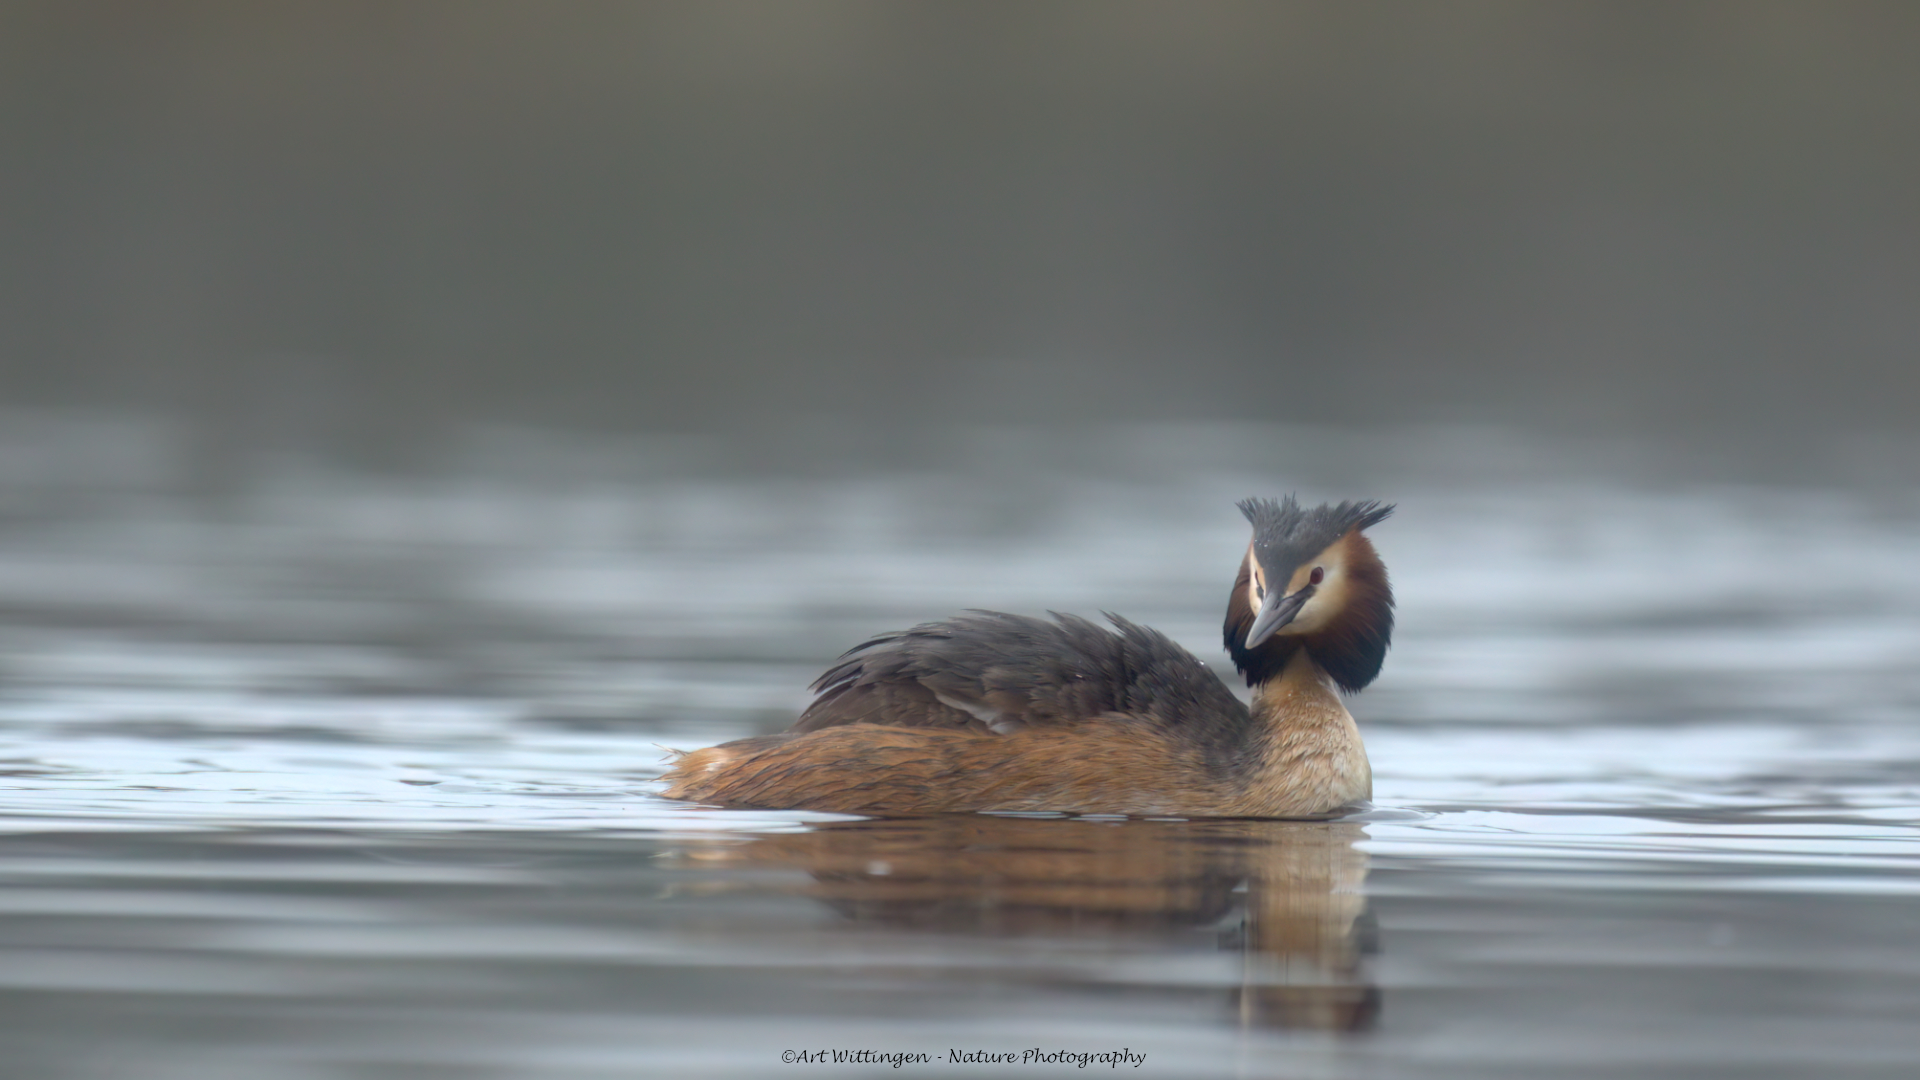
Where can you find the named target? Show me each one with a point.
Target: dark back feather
(990, 671)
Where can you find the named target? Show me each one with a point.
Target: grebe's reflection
(1299, 918)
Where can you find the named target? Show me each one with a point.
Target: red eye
(1319, 574)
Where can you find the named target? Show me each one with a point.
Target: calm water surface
(330, 777)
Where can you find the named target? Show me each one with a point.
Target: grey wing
(990, 671)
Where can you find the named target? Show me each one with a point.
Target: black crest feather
(1283, 526)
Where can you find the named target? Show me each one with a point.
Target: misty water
(314, 773)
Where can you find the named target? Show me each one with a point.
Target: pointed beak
(1275, 613)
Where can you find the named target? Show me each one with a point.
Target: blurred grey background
(416, 414)
(351, 228)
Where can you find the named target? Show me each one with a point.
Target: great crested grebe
(988, 711)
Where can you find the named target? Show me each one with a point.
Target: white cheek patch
(1256, 579)
(1313, 615)
(1329, 597)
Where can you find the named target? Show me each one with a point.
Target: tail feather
(696, 773)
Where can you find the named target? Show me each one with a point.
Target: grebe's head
(1311, 580)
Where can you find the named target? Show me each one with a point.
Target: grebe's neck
(1302, 694)
(1307, 748)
